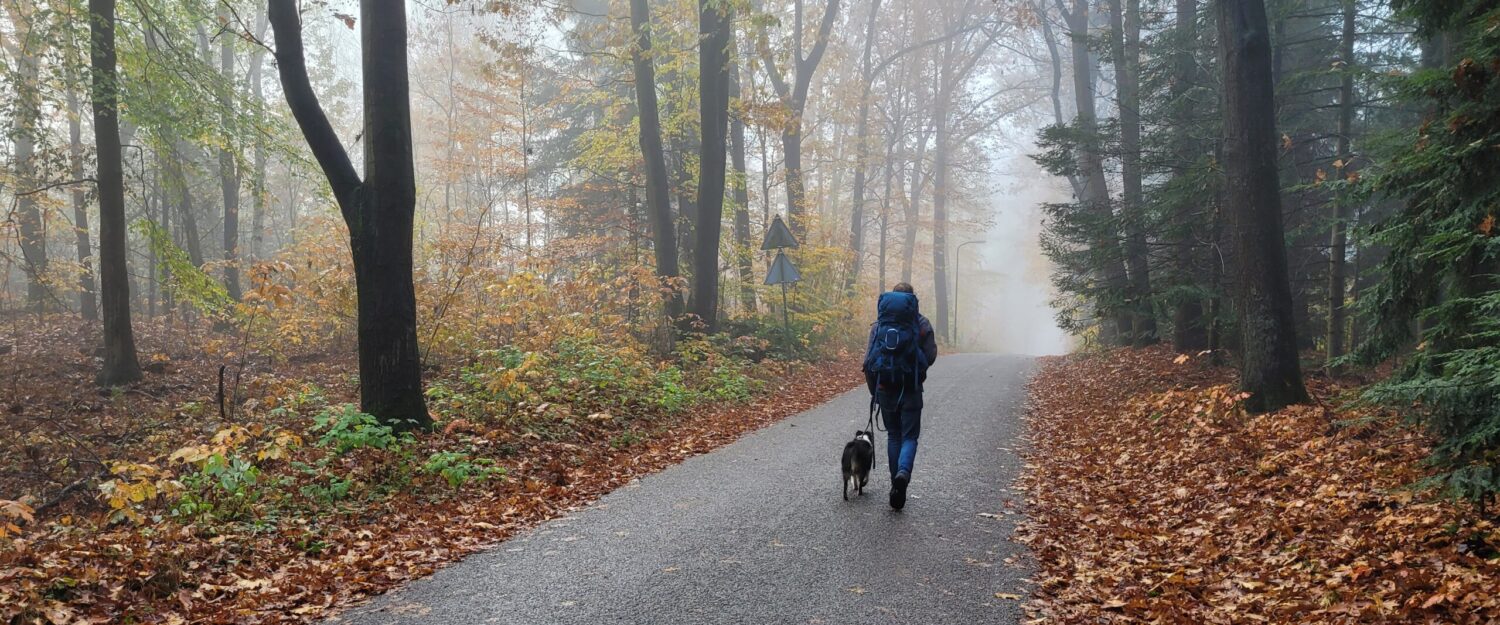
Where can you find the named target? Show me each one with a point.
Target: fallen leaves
(1154, 498)
(74, 567)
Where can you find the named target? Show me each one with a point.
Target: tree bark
(1269, 367)
(1125, 48)
(379, 210)
(742, 243)
(120, 363)
(940, 220)
(1339, 238)
(229, 174)
(715, 32)
(658, 191)
(258, 177)
(187, 220)
(88, 305)
(913, 209)
(31, 227)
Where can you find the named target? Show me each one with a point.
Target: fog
(1004, 291)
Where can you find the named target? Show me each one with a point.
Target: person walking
(902, 346)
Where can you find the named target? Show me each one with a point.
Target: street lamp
(957, 264)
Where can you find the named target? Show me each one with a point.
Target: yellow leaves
(191, 454)
(280, 444)
(135, 485)
(1487, 226)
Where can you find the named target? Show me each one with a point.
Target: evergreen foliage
(1442, 273)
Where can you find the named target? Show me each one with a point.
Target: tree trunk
(1095, 190)
(31, 227)
(885, 205)
(715, 31)
(1339, 238)
(258, 177)
(88, 304)
(187, 218)
(658, 191)
(1125, 48)
(120, 364)
(742, 243)
(1189, 332)
(229, 174)
(913, 209)
(1269, 368)
(940, 160)
(379, 210)
(861, 155)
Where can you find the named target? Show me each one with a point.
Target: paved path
(756, 532)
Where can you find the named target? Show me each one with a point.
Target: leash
(873, 423)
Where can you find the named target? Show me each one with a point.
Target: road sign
(778, 236)
(782, 271)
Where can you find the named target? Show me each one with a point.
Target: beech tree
(794, 97)
(120, 363)
(378, 210)
(715, 32)
(658, 189)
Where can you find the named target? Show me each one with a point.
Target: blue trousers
(902, 413)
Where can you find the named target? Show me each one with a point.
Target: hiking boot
(898, 490)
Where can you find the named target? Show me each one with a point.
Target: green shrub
(458, 468)
(344, 429)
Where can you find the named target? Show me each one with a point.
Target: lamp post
(957, 271)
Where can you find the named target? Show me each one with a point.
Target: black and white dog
(859, 455)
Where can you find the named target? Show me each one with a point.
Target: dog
(859, 456)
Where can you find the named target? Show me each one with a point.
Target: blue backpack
(895, 354)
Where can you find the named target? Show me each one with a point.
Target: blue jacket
(928, 343)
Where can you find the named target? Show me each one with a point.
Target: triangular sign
(782, 270)
(778, 236)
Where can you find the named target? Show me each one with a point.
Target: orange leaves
(1154, 498)
(10, 513)
(1487, 226)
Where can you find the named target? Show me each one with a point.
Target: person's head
(904, 287)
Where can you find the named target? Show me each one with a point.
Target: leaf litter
(1152, 497)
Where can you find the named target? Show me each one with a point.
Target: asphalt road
(756, 532)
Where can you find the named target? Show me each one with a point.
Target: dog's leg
(846, 488)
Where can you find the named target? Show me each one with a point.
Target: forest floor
(1154, 498)
(264, 526)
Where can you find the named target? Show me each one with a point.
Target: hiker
(902, 347)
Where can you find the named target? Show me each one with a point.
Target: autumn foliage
(1153, 497)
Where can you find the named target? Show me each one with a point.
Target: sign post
(782, 272)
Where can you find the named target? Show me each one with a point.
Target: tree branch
(324, 142)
